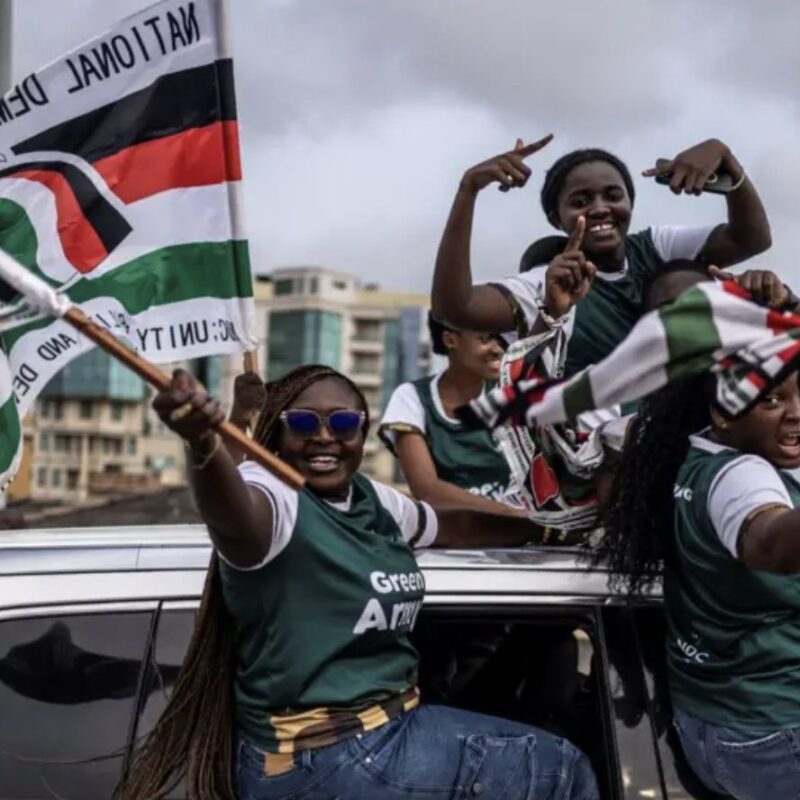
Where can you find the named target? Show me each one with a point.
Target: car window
(67, 693)
(172, 636)
(538, 666)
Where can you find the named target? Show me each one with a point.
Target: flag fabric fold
(120, 188)
(711, 326)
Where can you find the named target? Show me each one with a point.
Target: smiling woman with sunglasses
(300, 680)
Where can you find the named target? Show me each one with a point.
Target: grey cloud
(358, 117)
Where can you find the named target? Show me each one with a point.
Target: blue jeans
(746, 766)
(432, 752)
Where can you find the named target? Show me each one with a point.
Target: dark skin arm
(239, 517)
(420, 472)
(747, 232)
(454, 297)
(770, 542)
(463, 528)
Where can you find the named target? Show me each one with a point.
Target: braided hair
(194, 738)
(638, 517)
(557, 175)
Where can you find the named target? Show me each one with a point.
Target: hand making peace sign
(507, 169)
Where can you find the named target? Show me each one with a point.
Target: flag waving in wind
(119, 186)
(709, 327)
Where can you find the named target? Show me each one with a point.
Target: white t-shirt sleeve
(404, 413)
(740, 488)
(416, 519)
(527, 290)
(677, 241)
(284, 508)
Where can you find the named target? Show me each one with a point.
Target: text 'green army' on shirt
(467, 458)
(733, 645)
(322, 625)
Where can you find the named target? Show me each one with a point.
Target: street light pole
(5, 45)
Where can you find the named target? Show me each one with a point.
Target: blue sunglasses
(343, 425)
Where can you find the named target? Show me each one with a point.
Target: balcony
(113, 482)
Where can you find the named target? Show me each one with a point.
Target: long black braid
(194, 738)
(639, 515)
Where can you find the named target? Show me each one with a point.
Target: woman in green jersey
(445, 463)
(300, 680)
(593, 289)
(710, 498)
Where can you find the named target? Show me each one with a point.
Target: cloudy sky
(359, 116)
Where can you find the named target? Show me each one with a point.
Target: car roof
(170, 561)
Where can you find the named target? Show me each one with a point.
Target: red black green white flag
(119, 186)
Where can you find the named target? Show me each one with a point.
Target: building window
(116, 411)
(72, 479)
(86, 409)
(56, 478)
(339, 285)
(106, 446)
(313, 285)
(366, 364)
(117, 446)
(44, 409)
(59, 409)
(62, 443)
(131, 446)
(41, 477)
(44, 442)
(284, 286)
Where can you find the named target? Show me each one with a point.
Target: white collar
(342, 505)
(616, 275)
(702, 442)
(437, 401)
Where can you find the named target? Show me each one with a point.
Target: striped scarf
(709, 327)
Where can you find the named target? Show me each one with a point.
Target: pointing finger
(519, 144)
(576, 237)
(530, 149)
(662, 167)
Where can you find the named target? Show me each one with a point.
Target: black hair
(557, 175)
(542, 251)
(667, 269)
(194, 738)
(638, 516)
(437, 331)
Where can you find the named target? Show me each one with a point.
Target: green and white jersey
(322, 625)
(615, 303)
(469, 459)
(733, 646)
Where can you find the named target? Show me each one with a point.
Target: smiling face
(480, 353)
(326, 463)
(596, 190)
(771, 429)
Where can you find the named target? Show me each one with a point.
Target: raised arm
(420, 471)
(454, 297)
(239, 517)
(747, 232)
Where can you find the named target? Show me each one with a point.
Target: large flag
(709, 327)
(119, 185)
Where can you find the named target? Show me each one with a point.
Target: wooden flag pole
(251, 361)
(158, 378)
